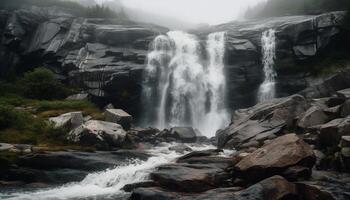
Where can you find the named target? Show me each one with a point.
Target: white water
(108, 183)
(186, 89)
(267, 89)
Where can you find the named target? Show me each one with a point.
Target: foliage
(72, 7)
(273, 8)
(41, 84)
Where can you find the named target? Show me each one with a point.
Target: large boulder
(312, 117)
(331, 132)
(261, 122)
(275, 158)
(189, 177)
(118, 116)
(68, 120)
(99, 133)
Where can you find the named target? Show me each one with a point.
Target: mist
(192, 11)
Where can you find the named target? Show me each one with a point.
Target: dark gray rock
(331, 132)
(262, 121)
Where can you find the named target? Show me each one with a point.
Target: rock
(183, 134)
(312, 193)
(331, 132)
(98, 133)
(328, 87)
(181, 148)
(276, 157)
(109, 106)
(262, 121)
(345, 152)
(345, 141)
(345, 94)
(68, 120)
(154, 193)
(118, 116)
(189, 178)
(345, 109)
(5, 147)
(80, 96)
(312, 117)
(335, 101)
(22, 148)
(273, 188)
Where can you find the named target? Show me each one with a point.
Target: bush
(41, 84)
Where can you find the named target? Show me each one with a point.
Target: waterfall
(181, 88)
(106, 184)
(267, 89)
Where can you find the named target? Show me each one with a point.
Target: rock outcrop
(106, 57)
(276, 157)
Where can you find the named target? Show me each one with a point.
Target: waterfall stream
(107, 184)
(181, 87)
(267, 89)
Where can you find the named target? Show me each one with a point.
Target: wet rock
(331, 132)
(189, 177)
(276, 157)
(181, 148)
(262, 121)
(312, 117)
(5, 146)
(68, 120)
(183, 134)
(118, 116)
(335, 101)
(154, 193)
(99, 133)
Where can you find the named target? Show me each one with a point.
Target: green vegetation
(41, 84)
(273, 8)
(77, 9)
(27, 103)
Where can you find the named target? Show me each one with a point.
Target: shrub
(41, 84)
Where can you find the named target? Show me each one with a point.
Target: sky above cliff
(194, 11)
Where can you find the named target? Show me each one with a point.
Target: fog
(193, 11)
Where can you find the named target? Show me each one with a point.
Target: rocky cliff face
(106, 57)
(300, 39)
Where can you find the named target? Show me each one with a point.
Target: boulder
(328, 87)
(118, 116)
(99, 133)
(275, 158)
(345, 152)
(273, 188)
(345, 93)
(5, 147)
(189, 177)
(68, 120)
(181, 148)
(182, 134)
(261, 122)
(345, 109)
(312, 117)
(331, 132)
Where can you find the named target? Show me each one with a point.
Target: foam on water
(108, 183)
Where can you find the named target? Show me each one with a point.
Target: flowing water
(267, 89)
(107, 184)
(182, 88)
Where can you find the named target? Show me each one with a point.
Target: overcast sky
(197, 11)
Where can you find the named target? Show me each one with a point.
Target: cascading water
(180, 89)
(267, 89)
(107, 184)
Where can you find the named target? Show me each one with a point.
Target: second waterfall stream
(185, 84)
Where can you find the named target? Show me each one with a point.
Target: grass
(25, 121)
